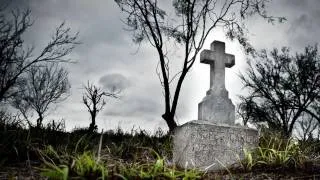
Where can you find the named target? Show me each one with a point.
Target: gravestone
(213, 142)
(216, 106)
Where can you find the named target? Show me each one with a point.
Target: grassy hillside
(52, 152)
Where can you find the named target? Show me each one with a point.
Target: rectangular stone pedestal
(208, 146)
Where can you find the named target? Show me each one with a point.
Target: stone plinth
(216, 108)
(209, 146)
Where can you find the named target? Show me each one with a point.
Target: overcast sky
(108, 57)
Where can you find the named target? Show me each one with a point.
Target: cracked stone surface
(210, 146)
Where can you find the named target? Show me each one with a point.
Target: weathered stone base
(214, 108)
(207, 146)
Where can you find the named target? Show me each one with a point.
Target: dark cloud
(114, 81)
(106, 56)
(304, 27)
(98, 22)
(138, 106)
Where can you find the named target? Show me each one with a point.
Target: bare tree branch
(44, 85)
(283, 88)
(16, 58)
(189, 27)
(93, 99)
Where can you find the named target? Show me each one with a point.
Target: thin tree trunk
(170, 121)
(93, 121)
(39, 120)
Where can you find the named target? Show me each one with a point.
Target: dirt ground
(23, 172)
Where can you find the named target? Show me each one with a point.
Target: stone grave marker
(213, 142)
(216, 106)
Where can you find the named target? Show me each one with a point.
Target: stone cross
(216, 106)
(213, 142)
(218, 60)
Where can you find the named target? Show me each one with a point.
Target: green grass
(274, 152)
(86, 166)
(116, 154)
(89, 165)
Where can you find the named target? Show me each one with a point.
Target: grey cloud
(297, 3)
(117, 81)
(135, 106)
(107, 48)
(304, 30)
(302, 22)
(98, 21)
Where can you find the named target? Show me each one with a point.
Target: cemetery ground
(52, 153)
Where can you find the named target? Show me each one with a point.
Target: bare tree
(16, 58)
(22, 106)
(282, 88)
(44, 85)
(188, 28)
(93, 99)
(307, 127)
(9, 120)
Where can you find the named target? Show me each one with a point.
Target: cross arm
(230, 60)
(207, 57)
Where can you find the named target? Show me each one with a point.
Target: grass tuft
(274, 152)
